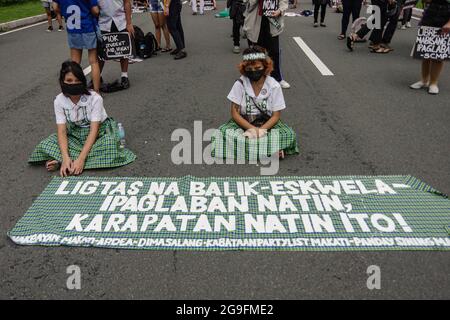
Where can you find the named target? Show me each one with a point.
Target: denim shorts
(156, 6)
(82, 40)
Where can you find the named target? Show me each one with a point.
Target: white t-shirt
(88, 109)
(271, 95)
(112, 10)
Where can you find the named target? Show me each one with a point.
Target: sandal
(166, 49)
(341, 37)
(387, 47)
(381, 50)
(350, 42)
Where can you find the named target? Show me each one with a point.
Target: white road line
(313, 57)
(23, 28)
(87, 70)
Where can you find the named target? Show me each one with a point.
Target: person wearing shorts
(82, 28)
(115, 16)
(159, 20)
(47, 4)
(437, 15)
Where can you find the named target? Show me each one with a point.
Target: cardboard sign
(432, 44)
(117, 45)
(269, 7)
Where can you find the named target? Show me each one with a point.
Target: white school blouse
(89, 108)
(271, 95)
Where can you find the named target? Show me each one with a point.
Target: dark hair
(267, 62)
(77, 71)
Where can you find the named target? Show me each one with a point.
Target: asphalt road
(364, 120)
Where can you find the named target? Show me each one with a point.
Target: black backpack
(139, 42)
(150, 45)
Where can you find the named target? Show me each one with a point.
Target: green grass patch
(21, 10)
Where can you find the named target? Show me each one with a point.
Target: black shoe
(125, 82)
(180, 55)
(50, 29)
(323, 24)
(174, 52)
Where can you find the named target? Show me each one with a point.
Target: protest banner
(239, 213)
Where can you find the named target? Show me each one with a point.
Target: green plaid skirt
(228, 142)
(105, 153)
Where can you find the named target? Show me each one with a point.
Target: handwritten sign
(269, 7)
(117, 45)
(432, 44)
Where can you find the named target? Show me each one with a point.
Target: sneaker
(433, 89)
(284, 84)
(316, 24)
(323, 24)
(180, 55)
(125, 82)
(236, 49)
(408, 25)
(403, 27)
(61, 28)
(418, 85)
(50, 29)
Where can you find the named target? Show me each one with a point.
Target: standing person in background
(407, 16)
(159, 20)
(350, 7)
(81, 25)
(237, 9)
(115, 16)
(47, 4)
(265, 31)
(194, 7)
(406, 21)
(436, 15)
(376, 36)
(172, 10)
(322, 5)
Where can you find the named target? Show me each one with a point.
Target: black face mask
(254, 75)
(76, 89)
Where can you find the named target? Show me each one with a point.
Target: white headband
(254, 56)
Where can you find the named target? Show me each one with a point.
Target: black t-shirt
(440, 2)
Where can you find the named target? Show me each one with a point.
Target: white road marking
(23, 28)
(313, 57)
(87, 70)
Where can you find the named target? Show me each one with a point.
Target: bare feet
(52, 165)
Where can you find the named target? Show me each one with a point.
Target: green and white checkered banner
(239, 213)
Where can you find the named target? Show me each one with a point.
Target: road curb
(22, 22)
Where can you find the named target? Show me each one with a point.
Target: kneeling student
(86, 137)
(256, 104)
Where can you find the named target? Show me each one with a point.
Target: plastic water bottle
(142, 50)
(121, 135)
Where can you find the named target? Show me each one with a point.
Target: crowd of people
(88, 138)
